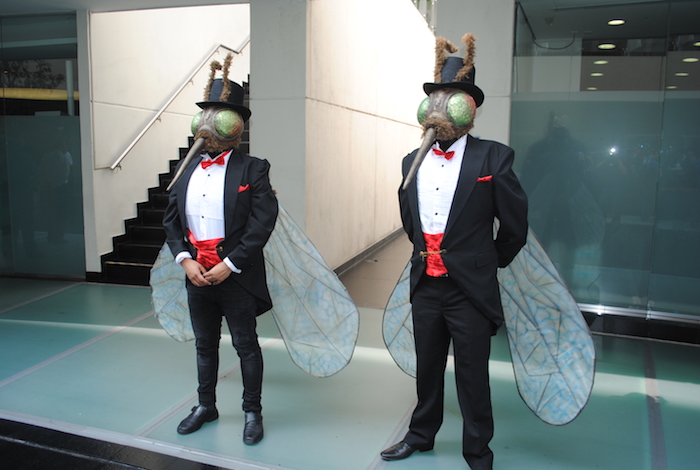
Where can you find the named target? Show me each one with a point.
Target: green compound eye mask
(195, 122)
(449, 111)
(460, 109)
(228, 124)
(222, 124)
(423, 110)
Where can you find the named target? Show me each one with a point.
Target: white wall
(367, 62)
(492, 23)
(137, 59)
(338, 84)
(278, 96)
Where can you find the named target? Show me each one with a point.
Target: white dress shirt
(204, 206)
(436, 181)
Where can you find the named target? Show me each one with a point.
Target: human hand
(195, 272)
(217, 274)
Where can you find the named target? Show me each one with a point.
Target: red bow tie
(447, 155)
(218, 161)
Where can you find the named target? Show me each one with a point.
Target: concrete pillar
(278, 93)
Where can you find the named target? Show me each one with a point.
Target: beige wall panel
(367, 62)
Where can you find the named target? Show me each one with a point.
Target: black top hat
(449, 71)
(234, 100)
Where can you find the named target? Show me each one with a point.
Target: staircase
(136, 250)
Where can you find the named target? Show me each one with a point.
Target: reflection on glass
(608, 151)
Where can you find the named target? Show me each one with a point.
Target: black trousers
(443, 313)
(208, 305)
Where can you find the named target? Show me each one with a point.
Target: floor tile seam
(73, 350)
(40, 297)
(399, 432)
(139, 442)
(191, 398)
(657, 439)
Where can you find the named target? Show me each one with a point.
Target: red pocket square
(243, 188)
(484, 178)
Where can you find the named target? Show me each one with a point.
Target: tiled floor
(89, 380)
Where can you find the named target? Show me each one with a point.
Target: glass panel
(604, 120)
(586, 127)
(675, 276)
(41, 224)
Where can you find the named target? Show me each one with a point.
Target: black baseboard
(635, 327)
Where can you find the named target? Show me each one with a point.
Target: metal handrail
(118, 161)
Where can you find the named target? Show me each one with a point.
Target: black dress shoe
(397, 451)
(253, 430)
(200, 415)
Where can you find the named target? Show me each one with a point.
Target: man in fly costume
(455, 186)
(220, 214)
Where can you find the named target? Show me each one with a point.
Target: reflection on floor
(89, 380)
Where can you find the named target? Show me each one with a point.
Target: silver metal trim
(638, 313)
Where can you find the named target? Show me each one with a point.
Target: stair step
(159, 200)
(152, 215)
(139, 252)
(147, 233)
(129, 264)
(136, 275)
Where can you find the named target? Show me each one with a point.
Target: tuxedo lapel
(182, 189)
(472, 162)
(412, 194)
(234, 175)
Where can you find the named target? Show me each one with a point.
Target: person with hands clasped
(220, 215)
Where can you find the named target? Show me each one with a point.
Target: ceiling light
(596, 74)
(671, 87)
(696, 44)
(591, 88)
(690, 59)
(606, 46)
(682, 74)
(616, 22)
(600, 62)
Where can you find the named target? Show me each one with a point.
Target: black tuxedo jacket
(487, 189)
(250, 212)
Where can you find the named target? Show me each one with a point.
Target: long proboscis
(428, 140)
(194, 151)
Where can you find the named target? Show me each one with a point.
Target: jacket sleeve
(510, 202)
